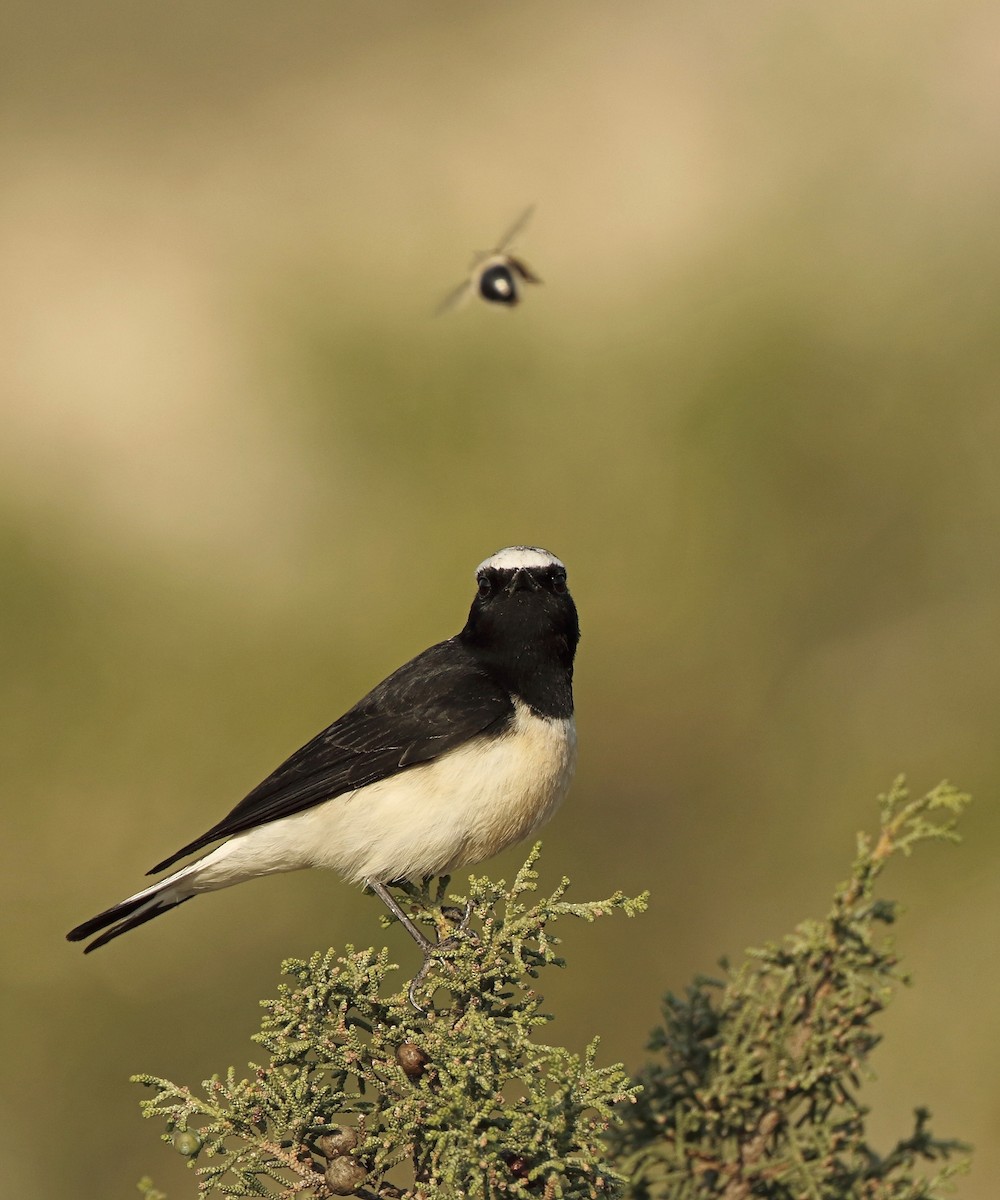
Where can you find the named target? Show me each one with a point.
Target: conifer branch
(753, 1091)
(460, 1099)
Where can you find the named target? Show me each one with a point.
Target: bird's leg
(385, 896)
(426, 945)
(443, 943)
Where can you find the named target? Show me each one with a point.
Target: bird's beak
(522, 580)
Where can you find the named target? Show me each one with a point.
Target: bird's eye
(559, 583)
(485, 587)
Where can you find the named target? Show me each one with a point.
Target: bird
(465, 750)
(496, 275)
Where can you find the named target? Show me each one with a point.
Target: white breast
(466, 806)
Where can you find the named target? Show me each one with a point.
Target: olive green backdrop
(244, 474)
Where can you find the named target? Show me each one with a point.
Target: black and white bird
(463, 751)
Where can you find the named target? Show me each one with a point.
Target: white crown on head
(512, 558)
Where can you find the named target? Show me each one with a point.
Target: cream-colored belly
(460, 809)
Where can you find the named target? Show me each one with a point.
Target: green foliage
(754, 1090)
(457, 1100)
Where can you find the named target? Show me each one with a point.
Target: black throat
(529, 649)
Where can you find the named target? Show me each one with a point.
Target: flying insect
(496, 275)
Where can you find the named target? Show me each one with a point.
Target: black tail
(130, 914)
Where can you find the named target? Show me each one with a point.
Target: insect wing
(454, 298)
(522, 268)
(515, 229)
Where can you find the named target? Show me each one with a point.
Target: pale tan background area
(244, 474)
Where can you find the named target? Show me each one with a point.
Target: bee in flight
(496, 274)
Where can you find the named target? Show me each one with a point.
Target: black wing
(433, 704)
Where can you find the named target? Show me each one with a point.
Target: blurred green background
(243, 475)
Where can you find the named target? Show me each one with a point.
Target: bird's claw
(462, 921)
(431, 952)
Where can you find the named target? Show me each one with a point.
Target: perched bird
(463, 751)
(496, 275)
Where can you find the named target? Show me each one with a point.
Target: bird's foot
(462, 917)
(432, 951)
